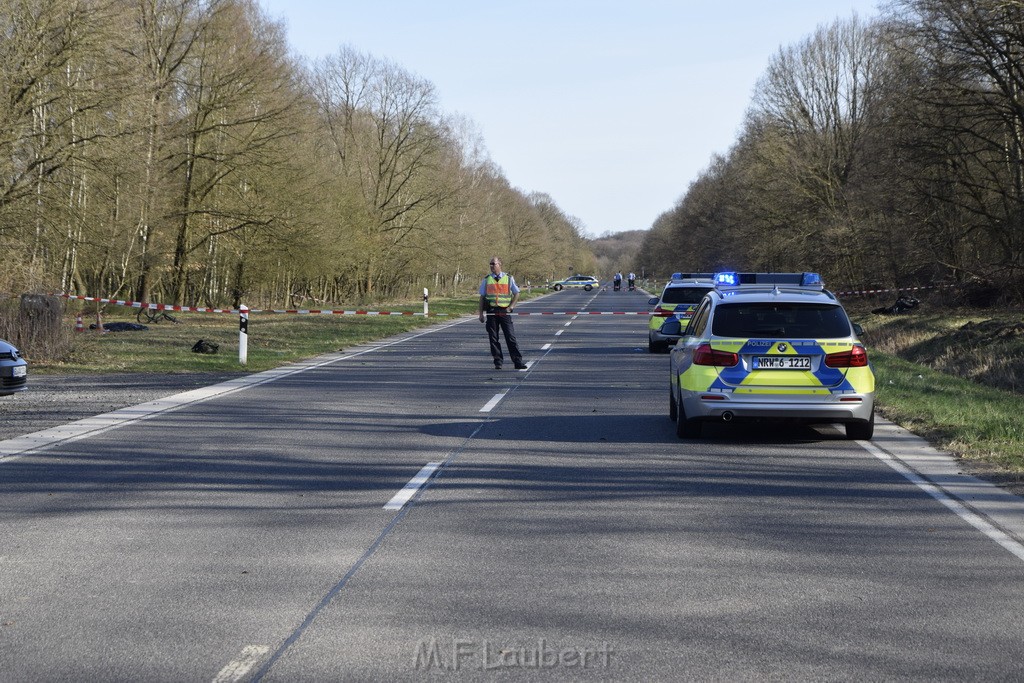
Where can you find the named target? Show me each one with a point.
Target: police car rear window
(684, 295)
(765, 320)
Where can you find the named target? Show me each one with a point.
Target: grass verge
(977, 422)
(954, 376)
(273, 339)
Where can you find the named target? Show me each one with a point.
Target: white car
(584, 282)
(13, 370)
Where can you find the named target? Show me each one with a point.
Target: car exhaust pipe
(727, 416)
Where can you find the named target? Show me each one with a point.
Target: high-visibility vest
(499, 291)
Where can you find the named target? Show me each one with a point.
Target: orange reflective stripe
(499, 292)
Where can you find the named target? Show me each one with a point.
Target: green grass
(954, 376)
(273, 339)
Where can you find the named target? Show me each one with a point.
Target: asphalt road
(243, 532)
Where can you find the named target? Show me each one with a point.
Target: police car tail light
(856, 357)
(661, 312)
(705, 355)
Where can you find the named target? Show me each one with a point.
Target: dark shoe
(520, 366)
(497, 366)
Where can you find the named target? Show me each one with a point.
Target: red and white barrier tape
(200, 309)
(314, 311)
(887, 291)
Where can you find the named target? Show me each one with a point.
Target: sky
(610, 107)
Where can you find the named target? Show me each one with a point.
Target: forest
(880, 153)
(176, 151)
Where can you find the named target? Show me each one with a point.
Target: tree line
(884, 152)
(175, 151)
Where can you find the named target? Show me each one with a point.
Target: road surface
(403, 511)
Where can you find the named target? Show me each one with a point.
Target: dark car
(13, 370)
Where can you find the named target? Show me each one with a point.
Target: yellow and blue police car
(678, 300)
(774, 346)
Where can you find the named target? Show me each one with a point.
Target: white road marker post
(243, 334)
(426, 295)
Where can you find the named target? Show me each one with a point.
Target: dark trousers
(498, 319)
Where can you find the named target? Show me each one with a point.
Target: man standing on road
(498, 296)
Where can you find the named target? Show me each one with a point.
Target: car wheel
(587, 288)
(861, 431)
(686, 429)
(557, 288)
(673, 409)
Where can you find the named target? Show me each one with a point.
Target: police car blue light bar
(812, 280)
(727, 279)
(692, 276)
(733, 279)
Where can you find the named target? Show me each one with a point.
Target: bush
(35, 324)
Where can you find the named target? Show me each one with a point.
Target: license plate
(782, 362)
(19, 371)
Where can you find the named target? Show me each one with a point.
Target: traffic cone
(79, 327)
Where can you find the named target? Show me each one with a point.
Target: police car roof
(777, 294)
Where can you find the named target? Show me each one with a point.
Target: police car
(586, 282)
(13, 370)
(771, 346)
(678, 300)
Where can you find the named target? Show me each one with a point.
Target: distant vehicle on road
(584, 282)
(678, 300)
(13, 370)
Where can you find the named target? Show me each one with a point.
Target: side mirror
(857, 329)
(672, 326)
(653, 301)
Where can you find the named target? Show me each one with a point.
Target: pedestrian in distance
(498, 296)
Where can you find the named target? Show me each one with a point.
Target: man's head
(495, 265)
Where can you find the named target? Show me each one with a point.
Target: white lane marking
(545, 347)
(961, 510)
(559, 332)
(493, 402)
(237, 669)
(409, 490)
(30, 444)
(567, 324)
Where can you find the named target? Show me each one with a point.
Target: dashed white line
(237, 669)
(410, 489)
(955, 506)
(559, 332)
(567, 324)
(545, 347)
(493, 402)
